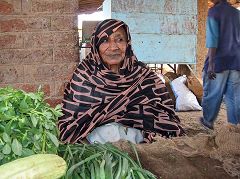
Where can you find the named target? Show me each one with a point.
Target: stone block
(13, 40)
(64, 55)
(8, 7)
(38, 39)
(12, 24)
(11, 74)
(26, 56)
(61, 23)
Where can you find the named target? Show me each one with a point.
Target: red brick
(29, 87)
(12, 25)
(54, 101)
(59, 88)
(11, 74)
(64, 23)
(63, 6)
(6, 8)
(10, 7)
(66, 55)
(41, 6)
(46, 89)
(33, 56)
(66, 39)
(11, 41)
(38, 40)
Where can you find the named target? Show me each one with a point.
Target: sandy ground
(201, 154)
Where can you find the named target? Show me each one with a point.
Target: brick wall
(38, 45)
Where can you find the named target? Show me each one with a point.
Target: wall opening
(86, 25)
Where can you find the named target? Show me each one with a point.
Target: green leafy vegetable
(101, 161)
(27, 124)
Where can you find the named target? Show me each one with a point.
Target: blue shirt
(223, 33)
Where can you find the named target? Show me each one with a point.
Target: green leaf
(37, 145)
(58, 113)
(37, 137)
(6, 149)
(27, 152)
(52, 126)
(35, 131)
(17, 147)
(1, 156)
(2, 98)
(53, 138)
(3, 108)
(34, 120)
(8, 127)
(10, 113)
(47, 126)
(33, 95)
(58, 107)
(22, 122)
(2, 127)
(6, 138)
(26, 143)
(47, 114)
(23, 105)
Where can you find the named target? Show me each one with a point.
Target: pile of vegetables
(27, 124)
(101, 161)
(29, 145)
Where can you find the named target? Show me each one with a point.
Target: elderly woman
(112, 94)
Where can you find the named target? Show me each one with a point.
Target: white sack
(185, 99)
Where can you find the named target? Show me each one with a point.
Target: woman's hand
(211, 75)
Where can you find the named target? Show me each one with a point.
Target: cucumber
(38, 166)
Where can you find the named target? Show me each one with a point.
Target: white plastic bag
(185, 99)
(113, 132)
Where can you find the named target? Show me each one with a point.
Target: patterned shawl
(136, 97)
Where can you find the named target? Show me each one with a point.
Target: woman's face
(113, 48)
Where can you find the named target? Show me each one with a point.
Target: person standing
(221, 73)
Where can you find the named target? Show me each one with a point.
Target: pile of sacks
(186, 91)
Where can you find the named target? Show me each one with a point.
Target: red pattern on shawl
(135, 98)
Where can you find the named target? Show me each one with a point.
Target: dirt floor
(201, 154)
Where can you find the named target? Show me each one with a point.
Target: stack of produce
(27, 124)
(29, 146)
(101, 161)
